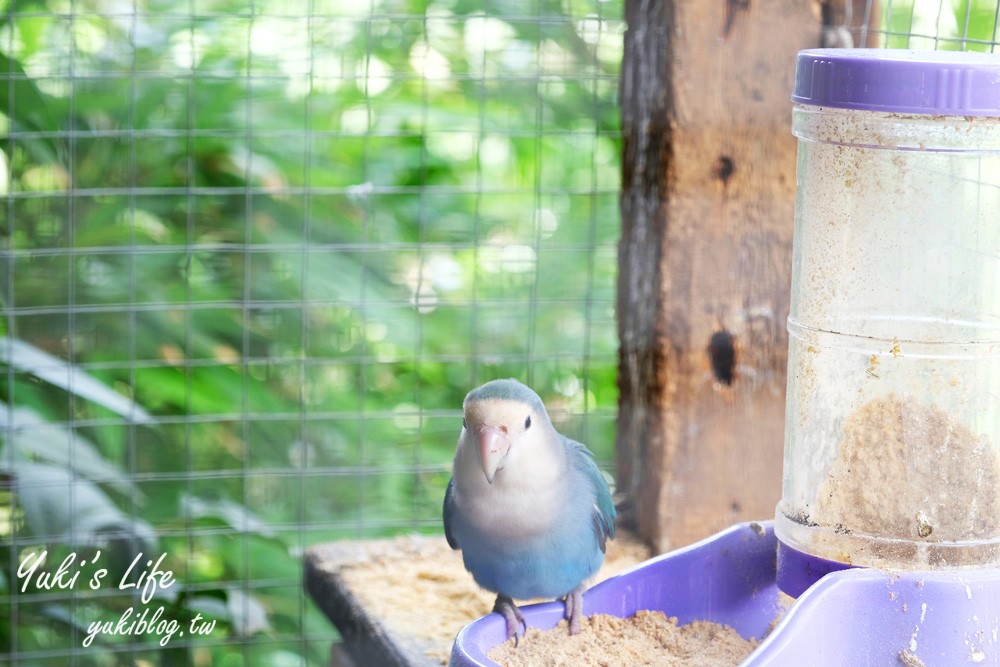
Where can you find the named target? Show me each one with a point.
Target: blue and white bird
(526, 505)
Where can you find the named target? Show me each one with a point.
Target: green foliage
(252, 261)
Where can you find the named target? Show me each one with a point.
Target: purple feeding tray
(728, 578)
(849, 617)
(871, 617)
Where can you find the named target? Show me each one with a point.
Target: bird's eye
(464, 424)
(527, 422)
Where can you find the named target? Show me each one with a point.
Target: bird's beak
(493, 447)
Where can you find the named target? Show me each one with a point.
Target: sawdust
(785, 603)
(419, 588)
(648, 638)
(914, 475)
(910, 660)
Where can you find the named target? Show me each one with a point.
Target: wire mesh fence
(952, 25)
(254, 254)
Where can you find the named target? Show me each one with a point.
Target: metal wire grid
(923, 24)
(47, 238)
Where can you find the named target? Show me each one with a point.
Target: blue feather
(604, 507)
(509, 390)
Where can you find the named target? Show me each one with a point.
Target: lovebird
(526, 505)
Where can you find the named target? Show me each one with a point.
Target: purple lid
(953, 83)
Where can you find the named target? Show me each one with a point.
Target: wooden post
(849, 23)
(705, 260)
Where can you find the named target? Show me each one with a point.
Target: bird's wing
(449, 514)
(604, 506)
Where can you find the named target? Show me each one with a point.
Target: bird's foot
(512, 615)
(574, 609)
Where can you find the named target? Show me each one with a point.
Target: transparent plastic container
(892, 439)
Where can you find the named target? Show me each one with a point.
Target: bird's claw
(512, 616)
(574, 610)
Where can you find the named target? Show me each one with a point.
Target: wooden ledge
(401, 601)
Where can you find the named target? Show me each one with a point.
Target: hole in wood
(732, 8)
(724, 168)
(722, 354)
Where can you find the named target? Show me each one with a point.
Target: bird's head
(503, 421)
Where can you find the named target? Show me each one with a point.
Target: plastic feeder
(728, 578)
(892, 432)
(852, 617)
